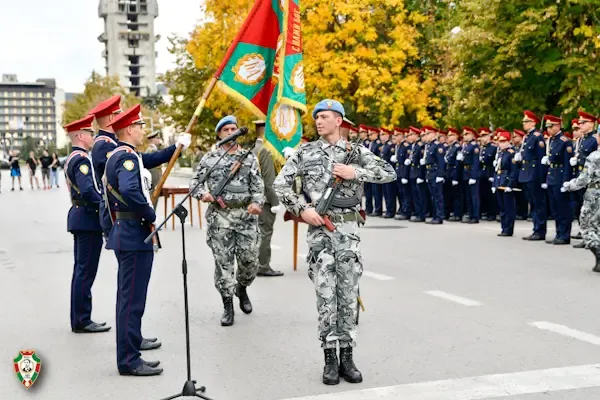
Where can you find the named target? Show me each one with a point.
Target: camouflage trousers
(335, 267)
(232, 234)
(589, 219)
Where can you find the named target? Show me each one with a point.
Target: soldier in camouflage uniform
(233, 230)
(335, 262)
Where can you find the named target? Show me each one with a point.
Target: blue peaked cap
(230, 119)
(329, 105)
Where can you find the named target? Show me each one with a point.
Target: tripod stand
(189, 388)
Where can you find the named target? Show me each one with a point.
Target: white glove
(407, 162)
(494, 190)
(563, 189)
(495, 163)
(545, 160)
(422, 162)
(404, 181)
(507, 189)
(573, 161)
(439, 180)
(472, 181)
(393, 159)
(544, 186)
(460, 157)
(288, 152)
(184, 139)
(491, 180)
(454, 183)
(419, 181)
(277, 209)
(518, 157)
(566, 186)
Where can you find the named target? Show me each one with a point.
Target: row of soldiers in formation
(462, 176)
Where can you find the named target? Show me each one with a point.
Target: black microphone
(240, 132)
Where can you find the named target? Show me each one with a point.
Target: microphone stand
(189, 388)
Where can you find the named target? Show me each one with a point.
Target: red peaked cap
(453, 131)
(502, 135)
(107, 107)
(127, 118)
(414, 130)
(347, 124)
(531, 116)
(371, 130)
(519, 132)
(552, 119)
(468, 129)
(385, 131)
(84, 124)
(575, 122)
(487, 131)
(353, 129)
(569, 135)
(587, 117)
(363, 127)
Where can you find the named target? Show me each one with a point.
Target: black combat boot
(347, 368)
(331, 374)
(227, 318)
(597, 254)
(245, 305)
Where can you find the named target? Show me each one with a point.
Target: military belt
(126, 215)
(236, 204)
(594, 186)
(346, 217)
(467, 167)
(553, 165)
(81, 203)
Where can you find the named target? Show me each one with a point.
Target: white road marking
(451, 297)
(479, 387)
(566, 331)
(379, 277)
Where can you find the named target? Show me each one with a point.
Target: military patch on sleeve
(476, 151)
(514, 161)
(541, 143)
(441, 150)
(569, 149)
(128, 165)
(108, 154)
(84, 169)
(511, 151)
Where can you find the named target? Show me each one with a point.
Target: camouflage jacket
(590, 174)
(245, 187)
(313, 164)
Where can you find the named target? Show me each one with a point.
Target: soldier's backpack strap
(66, 168)
(108, 186)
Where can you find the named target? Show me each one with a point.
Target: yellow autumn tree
(361, 52)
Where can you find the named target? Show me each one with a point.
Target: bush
(185, 162)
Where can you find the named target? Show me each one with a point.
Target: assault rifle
(326, 201)
(218, 190)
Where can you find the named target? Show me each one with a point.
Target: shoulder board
(72, 155)
(121, 148)
(564, 138)
(436, 142)
(536, 133)
(103, 138)
(511, 151)
(406, 144)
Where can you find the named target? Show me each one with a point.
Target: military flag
(263, 70)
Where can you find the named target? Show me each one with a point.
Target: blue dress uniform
(488, 200)
(506, 176)
(104, 143)
(402, 173)
(419, 203)
(390, 191)
(561, 150)
(471, 175)
(530, 175)
(368, 186)
(377, 189)
(585, 146)
(133, 215)
(453, 178)
(435, 171)
(84, 224)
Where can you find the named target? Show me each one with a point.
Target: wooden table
(167, 192)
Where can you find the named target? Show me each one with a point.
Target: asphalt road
(452, 312)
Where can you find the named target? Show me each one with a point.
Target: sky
(59, 38)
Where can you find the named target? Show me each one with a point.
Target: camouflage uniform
(232, 231)
(589, 219)
(335, 262)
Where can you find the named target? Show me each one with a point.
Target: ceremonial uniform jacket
(104, 143)
(453, 166)
(471, 166)
(416, 169)
(532, 152)
(486, 160)
(561, 151)
(128, 192)
(586, 146)
(507, 170)
(435, 165)
(84, 192)
(402, 153)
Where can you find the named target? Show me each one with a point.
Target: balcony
(103, 38)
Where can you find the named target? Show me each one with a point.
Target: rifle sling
(117, 195)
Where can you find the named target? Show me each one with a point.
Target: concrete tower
(129, 42)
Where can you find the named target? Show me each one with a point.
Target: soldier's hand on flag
(310, 216)
(207, 198)
(254, 209)
(344, 171)
(184, 139)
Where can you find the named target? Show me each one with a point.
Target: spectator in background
(54, 170)
(32, 162)
(15, 169)
(46, 160)
(154, 142)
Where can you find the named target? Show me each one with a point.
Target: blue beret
(230, 119)
(329, 105)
